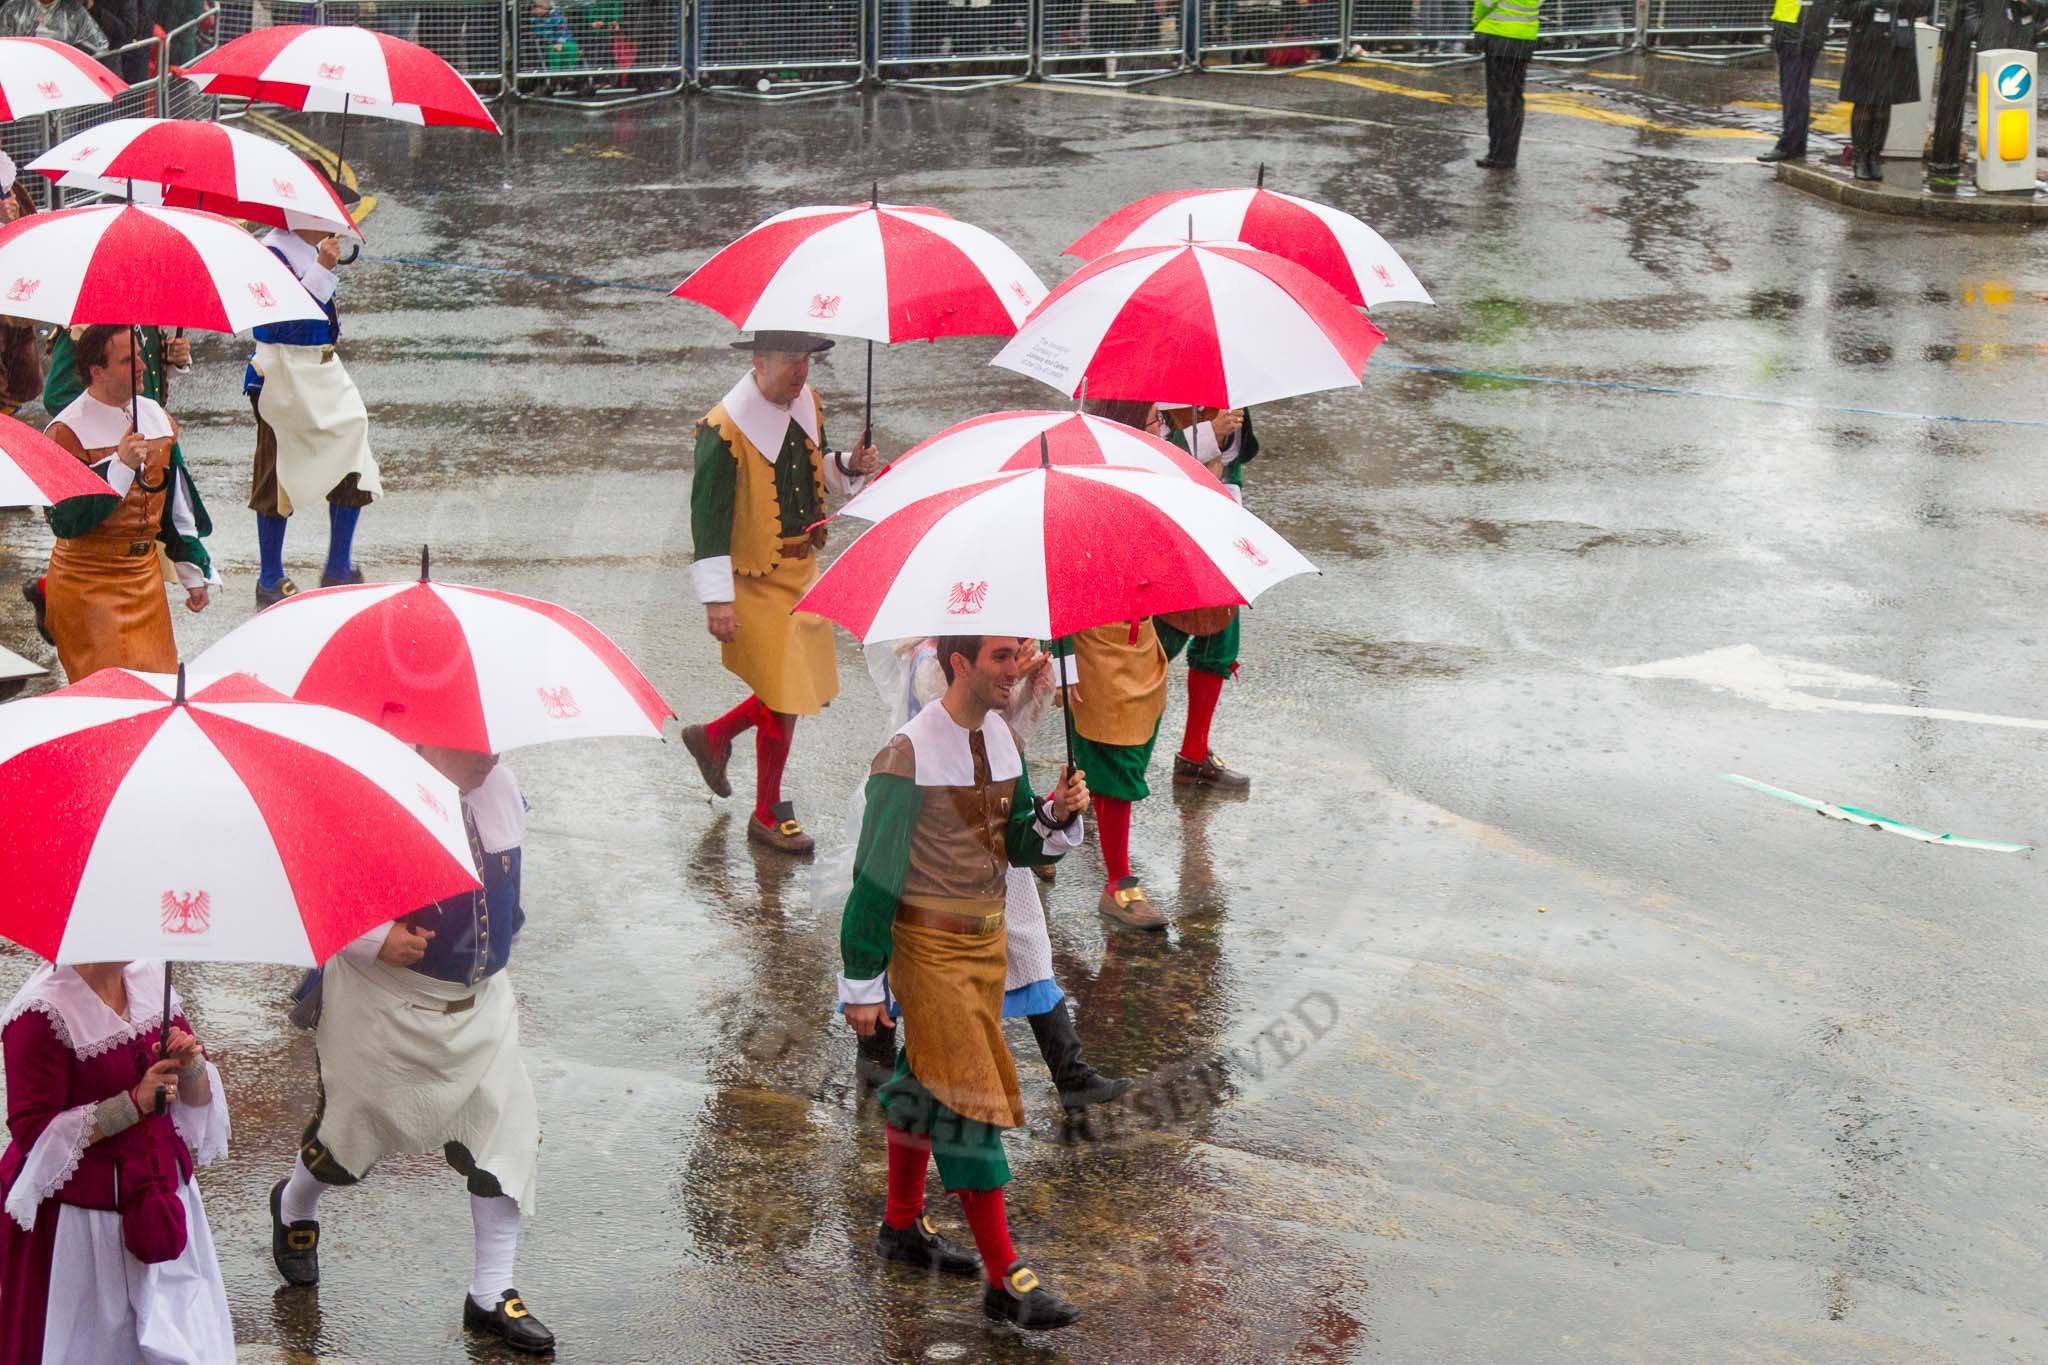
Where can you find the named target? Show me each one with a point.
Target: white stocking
(497, 1247)
(301, 1200)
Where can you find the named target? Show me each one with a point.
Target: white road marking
(1785, 684)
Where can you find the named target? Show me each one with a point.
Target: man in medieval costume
(1224, 441)
(312, 430)
(418, 1040)
(949, 810)
(756, 500)
(105, 586)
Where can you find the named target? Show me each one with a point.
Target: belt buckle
(991, 923)
(138, 547)
(458, 1006)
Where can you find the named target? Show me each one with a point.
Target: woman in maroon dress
(105, 1254)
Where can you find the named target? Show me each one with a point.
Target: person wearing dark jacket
(1799, 29)
(1882, 69)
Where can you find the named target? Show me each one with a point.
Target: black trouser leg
(1507, 68)
(877, 1056)
(1880, 132)
(1079, 1084)
(1795, 94)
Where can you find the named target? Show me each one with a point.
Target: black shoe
(270, 597)
(1210, 772)
(1778, 154)
(295, 1246)
(1079, 1084)
(1022, 1300)
(33, 591)
(1487, 163)
(328, 580)
(920, 1245)
(509, 1322)
(875, 1057)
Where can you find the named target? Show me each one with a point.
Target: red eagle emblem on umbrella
(190, 913)
(824, 305)
(559, 703)
(332, 71)
(432, 802)
(285, 189)
(87, 152)
(49, 90)
(21, 291)
(1244, 546)
(261, 293)
(1386, 276)
(966, 599)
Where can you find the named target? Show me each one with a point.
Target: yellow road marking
(1567, 103)
(341, 170)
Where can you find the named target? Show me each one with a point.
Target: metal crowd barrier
(1112, 42)
(779, 49)
(1418, 33)
(1269, 36)
(1707, 30)
(182, 45)
(596, 52)
(1586, 30)
(952, 44)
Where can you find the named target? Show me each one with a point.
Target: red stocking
(991, 1229)
(736, 722)
(771, 751)
(1204, 690)
(1113, 827)
(909, 1155)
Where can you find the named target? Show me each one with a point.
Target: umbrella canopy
(1050, 552)
(884, 272)
(437, 663)
(186, 164)
(1015, 442)
(146, 266)
(1201, 324)
(37, 472)
(1338, 249)
(41, 75)
(224, 827)
(341, 69)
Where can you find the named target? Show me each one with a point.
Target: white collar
(765, 423)
(293, 248)
(944, 759)
(499, 811)
(81, 1020)
(100, 426)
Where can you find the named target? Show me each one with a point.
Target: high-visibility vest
(1506, 18)
(1786, 12)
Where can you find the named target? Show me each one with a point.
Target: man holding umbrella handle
(757, 498)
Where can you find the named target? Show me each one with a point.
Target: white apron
(322, 427)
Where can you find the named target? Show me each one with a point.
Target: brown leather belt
(797, 548)
(101, 547)
(446, 1006)
(977, 926)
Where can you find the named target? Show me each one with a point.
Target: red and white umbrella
(41, 75)
(1049, 552)
(1340, 250)
(156, 267)
(228, 825)
(187, 164)
(1200, 324)
(37, 472)
(341, 69)
(436, 663)
(1016, 442)
(884, 272)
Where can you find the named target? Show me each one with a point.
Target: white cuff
(366, 948)
(1206, 448)
(320, 282)
(712, 579)
(1063, 837)
(51, 1162)
(204, 1127)
(873, 991)
(1236, 492)
(189, 576)
(120, 477)
(1066, 668)
(838, 482)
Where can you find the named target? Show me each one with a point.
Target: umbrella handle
(163, 1037)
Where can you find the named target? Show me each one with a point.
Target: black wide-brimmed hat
(802, 343)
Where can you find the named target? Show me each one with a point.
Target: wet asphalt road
(1492, 1026)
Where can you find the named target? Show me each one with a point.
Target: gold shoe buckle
(515, 1309)
(301, 1241)
(1023, 1280)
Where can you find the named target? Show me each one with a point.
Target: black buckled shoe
(352, 577)
(1210, 772)
(294, 1246)
(510, 1322)
(270, 597)
(33, 591)
(1021, 1300)
(920, 1245)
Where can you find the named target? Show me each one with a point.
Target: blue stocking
(341, 536)
(270, 547)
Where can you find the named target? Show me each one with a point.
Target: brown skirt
(951, 989)
(108, 609)
(785, 658)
